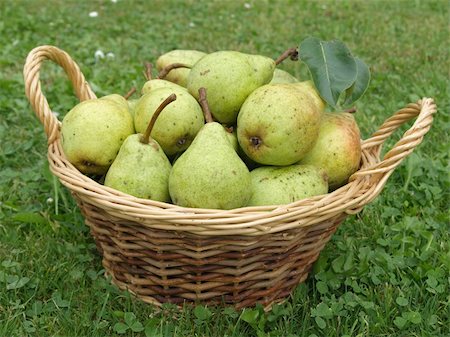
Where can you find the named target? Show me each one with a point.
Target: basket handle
(424, 110)
(31, 73)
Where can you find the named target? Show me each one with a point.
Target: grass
(384, 273)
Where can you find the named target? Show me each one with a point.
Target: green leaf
(230, 312)
(151, 327)
(367, 304)
(250, 316)
(322, 287)
(338, 264)
(321, 264)
(35, 310)
(30, 218)
(28, 326)
(400, 322)
(137, 326)
(332, 67)
(129, 318)
(320, 322)
(202, 313)
(348, 265)
(10, 264)
(414, 317)
(361, 83)
(324, 310)
(17, 283)
(120, 328)
(401, 301)
(60, 303)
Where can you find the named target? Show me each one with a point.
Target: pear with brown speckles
(338, 148)
(93, 131)
(184, 56)
(178, 124)
(141, 168)
(229, 77)
(274, 185)
(278, 124)
(210, 174)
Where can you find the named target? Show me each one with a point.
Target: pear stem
(202, 99)
(163, 73)
(291, 52)
(148, 71)
(146, 138)
(130, 93)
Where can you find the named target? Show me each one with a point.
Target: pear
(272, 185)
(92, 133)
(159, 83)
(156, 83)
(232, 137)
(132, 106)
(210, 174)
(278, 125)
(186, 57)
(281, 76)
(338, 148)
(178, 124)
(123, 101)
(116, 98)
(141, 168)
(310, 88)
(229, 77)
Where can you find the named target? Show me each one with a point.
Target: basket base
(160, 266)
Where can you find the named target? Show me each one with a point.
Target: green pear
(338, 148)
(310, 88)
(93, 132)
(272, 185)
(116, 98)
(229, 77)
(157, 83)
(232, 137)
(178, 124)
(141, 168)
(281, 76)
(278, 125)
(132, 102)
(123, 101)
(187, 57)
(210, 174)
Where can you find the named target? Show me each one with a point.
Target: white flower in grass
(110, 55)
(93, 14)
(191, 24)
(49, 201)
(247, 5)
(113, 1)
(99, 55)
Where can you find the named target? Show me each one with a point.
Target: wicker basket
(165, 253)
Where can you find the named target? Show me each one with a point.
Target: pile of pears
(216, 131)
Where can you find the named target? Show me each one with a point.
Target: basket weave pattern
(165, 253)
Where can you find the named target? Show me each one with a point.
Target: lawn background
(384, 273)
